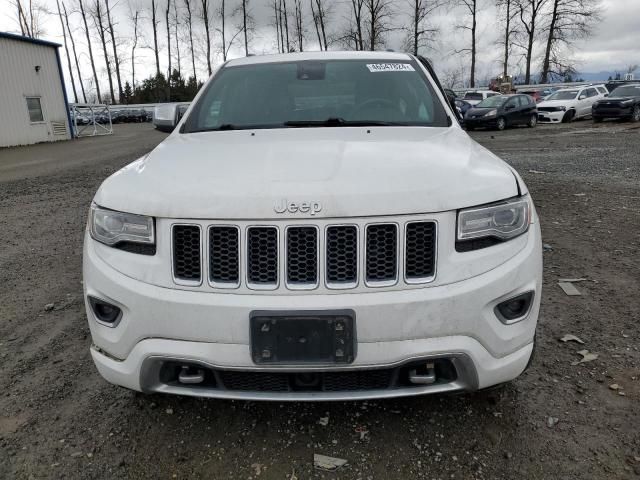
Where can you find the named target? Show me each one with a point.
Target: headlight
(504, 220)
(111, 227)
(491, 113)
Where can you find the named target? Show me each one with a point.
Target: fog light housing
(105, 312)
(514, 309)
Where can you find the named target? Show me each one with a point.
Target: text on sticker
(390, 67)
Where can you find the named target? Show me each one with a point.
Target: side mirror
(606, 94)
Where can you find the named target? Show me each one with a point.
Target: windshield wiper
(339, 122)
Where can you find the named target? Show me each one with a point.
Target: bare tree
(357, 7)
(176, 24)
(420, 31)
(530, 12)
(377, 22)
(135, 17)
(166, 18)
(226, 46)
(116, 59)
(299, 24)
(508, 9)
(30, 17)
(247, 22)
(284, 17)
(187, 4)
(98, 20)
(320, 16)
(471, 7)
(154, 26)
(93, 64)
(66, 49)
(568, 20)
(75, 54)
(204, 14)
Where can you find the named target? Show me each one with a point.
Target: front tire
(533, 121)
(568, 117)
(501, 123)
(635, 115)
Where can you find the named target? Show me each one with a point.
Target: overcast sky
(614, 45)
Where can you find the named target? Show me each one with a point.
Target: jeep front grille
(342, 255)
(420, 249)
(224, 255)
(262, 256)
(302, 256)
(186, 253)
(306, 256)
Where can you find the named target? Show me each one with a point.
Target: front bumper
(612, 112)
(454, 322)
(551, 117)
(489, 122)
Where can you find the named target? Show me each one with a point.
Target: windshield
(564, 95)
(492, 102)
(626, 91)
(317, 93)
(473, 96)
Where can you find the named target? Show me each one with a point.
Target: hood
(611, 99)
(480, 110)
(349, 171)
(555, 103)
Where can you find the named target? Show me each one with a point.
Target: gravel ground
(59, 419)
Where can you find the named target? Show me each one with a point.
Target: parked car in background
(613, 84)
(623, 103)
(476, 97)
(567, 104)
(462, 106)
(502, 111)
(535, 93)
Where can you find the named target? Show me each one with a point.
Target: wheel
(533, 121)
(568, 116)
(635, 115)
(501, 123)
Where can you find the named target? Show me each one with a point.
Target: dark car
(462, 106)
(502, 111)
(623, 102)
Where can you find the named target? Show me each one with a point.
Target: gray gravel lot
(59, 419)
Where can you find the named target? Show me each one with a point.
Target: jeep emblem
(293, 207)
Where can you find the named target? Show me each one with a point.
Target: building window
(35, 109)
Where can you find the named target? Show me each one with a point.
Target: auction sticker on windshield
(390, 67)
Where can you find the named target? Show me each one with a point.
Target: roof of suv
(299, 56)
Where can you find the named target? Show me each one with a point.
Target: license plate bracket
(303, 338)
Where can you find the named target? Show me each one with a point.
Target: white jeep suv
(569, 104)
(318, 227)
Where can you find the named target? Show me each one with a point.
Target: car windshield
(317, 93)
(626, 91)
(492, 102)
(564, 95)
(473, 96)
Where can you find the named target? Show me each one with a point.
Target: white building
(33, 99)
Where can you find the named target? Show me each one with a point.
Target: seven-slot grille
(255, 256)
